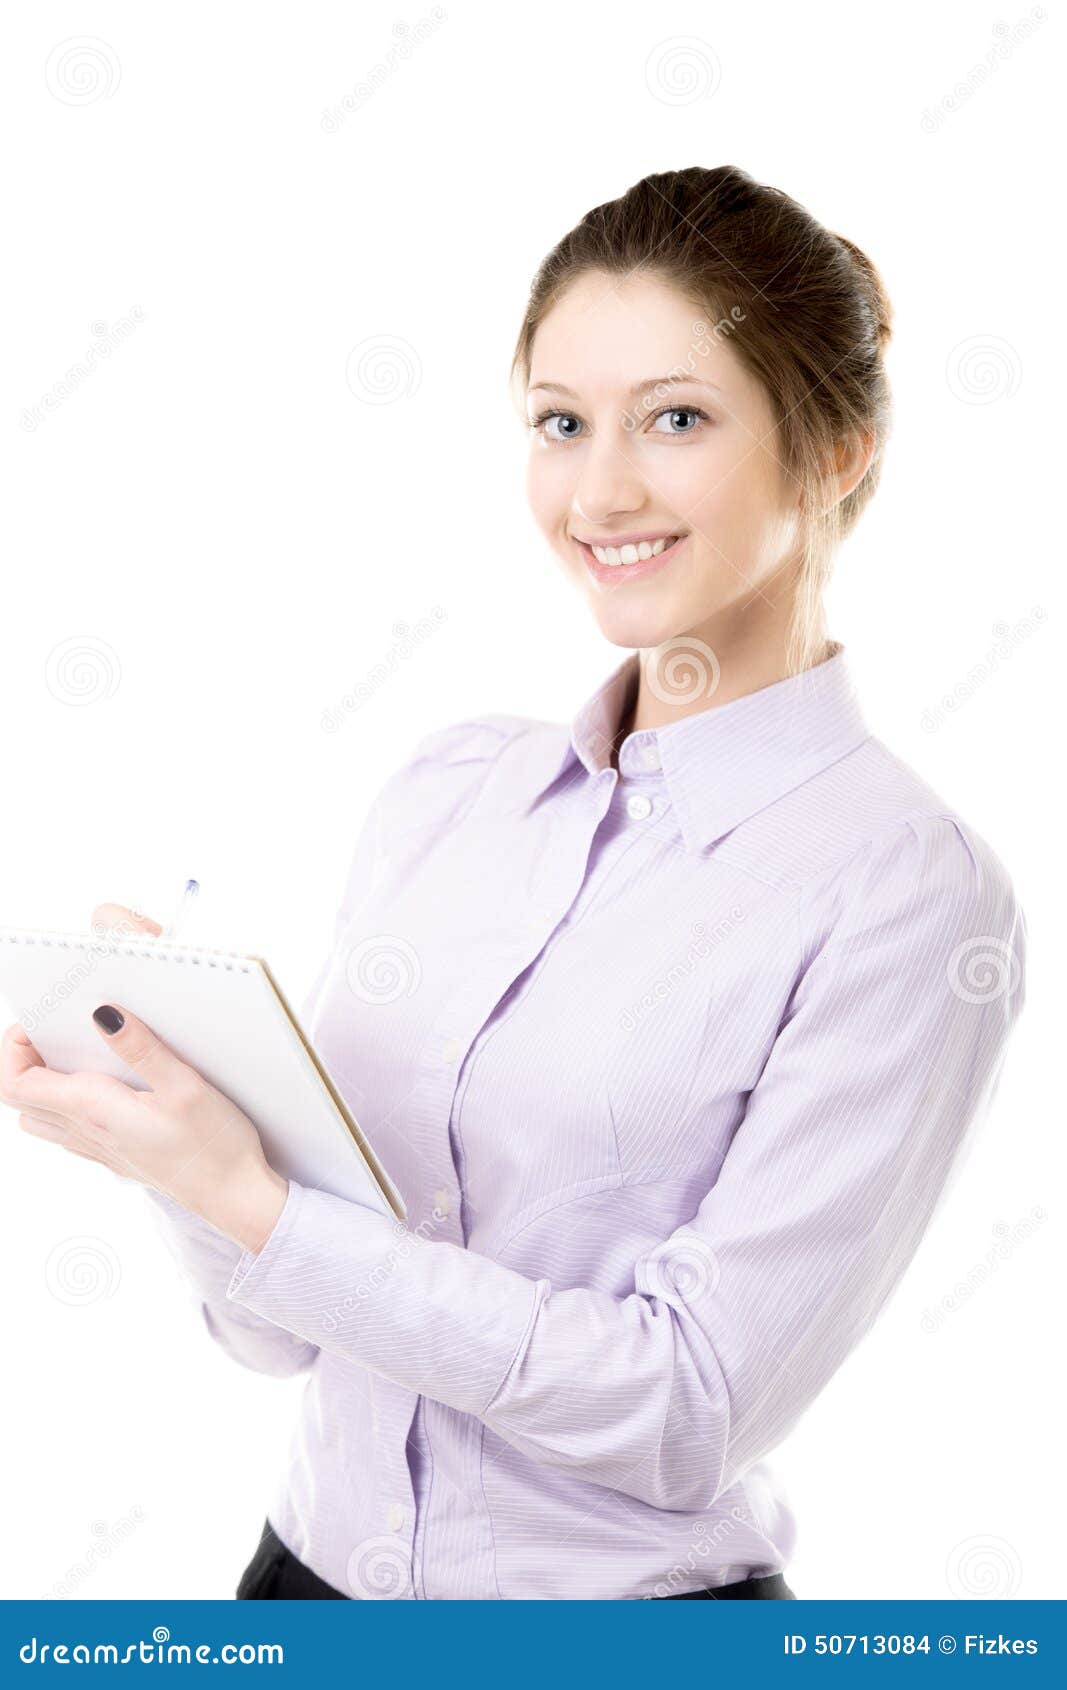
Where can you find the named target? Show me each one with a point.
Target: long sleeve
(890, 1047)
(206, 1259)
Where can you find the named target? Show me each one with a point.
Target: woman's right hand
(109, 916)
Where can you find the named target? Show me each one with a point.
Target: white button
(395, 1517)
(442, 1201)
(638, 807)
(650, 757)
(450, 1050)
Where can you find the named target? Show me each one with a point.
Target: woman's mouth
(630, 560)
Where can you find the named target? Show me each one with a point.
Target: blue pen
(192, 887)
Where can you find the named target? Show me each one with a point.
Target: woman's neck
(700, 677)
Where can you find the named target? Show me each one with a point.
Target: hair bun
(875, 288)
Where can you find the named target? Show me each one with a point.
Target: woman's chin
(639, 628)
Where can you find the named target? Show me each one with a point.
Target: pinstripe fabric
(672, 1065)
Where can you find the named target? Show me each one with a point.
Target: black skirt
(275, 1572)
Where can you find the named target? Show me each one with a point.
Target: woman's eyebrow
(635, 390)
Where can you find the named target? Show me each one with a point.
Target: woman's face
(659, 432)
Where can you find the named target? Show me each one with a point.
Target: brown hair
(807, 314)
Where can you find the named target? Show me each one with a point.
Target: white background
(232, 536)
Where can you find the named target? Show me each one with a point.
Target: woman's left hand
(183, 1137)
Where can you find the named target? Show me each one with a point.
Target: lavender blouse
(672, 1065)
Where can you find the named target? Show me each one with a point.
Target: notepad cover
(223, 1014)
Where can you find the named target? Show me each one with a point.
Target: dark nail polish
(108, 1018)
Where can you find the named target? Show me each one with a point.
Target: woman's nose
(609, 487)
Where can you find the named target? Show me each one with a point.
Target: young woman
(669, 1022)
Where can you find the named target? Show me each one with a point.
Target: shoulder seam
(907, 820)
(506, 728)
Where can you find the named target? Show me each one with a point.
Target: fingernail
(108, 1018)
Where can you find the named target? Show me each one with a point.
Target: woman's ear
(852, 459)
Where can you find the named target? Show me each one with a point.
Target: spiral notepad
(222, 1013)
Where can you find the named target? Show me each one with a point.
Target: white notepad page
(223, 1014)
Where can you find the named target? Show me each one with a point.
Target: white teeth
(613, 556)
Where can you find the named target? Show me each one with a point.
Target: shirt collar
(729, 760)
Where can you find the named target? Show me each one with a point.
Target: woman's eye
(562, 426)
(540, 424)
(677, 411)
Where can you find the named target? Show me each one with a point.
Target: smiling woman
(724, 387)
(681, 1011)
